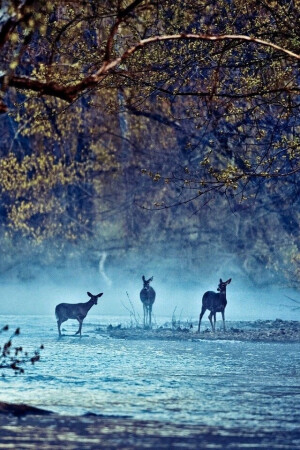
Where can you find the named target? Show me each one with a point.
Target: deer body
(65, 311)
(147, 296)
(214, 302)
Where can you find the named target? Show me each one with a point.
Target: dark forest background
(148, 135)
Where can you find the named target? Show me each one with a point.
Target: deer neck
(222, 295)
(89, 304)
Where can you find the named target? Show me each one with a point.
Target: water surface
(215, 383)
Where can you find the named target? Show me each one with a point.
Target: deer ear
(89, 294)
(100, 295)
(151, 279)
(143, 277)
(221, 280)
(228, 281)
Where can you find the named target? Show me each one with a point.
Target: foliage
(14, 358)
(113, 110)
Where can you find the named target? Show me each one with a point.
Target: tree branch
(23, 14)
(122, 14)
(70, 92)
(185, 36)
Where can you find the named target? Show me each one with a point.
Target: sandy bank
(22, 428)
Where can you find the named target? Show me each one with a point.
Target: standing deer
(215, 302)
(147, 296)
(65, 311)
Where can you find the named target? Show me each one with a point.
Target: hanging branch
(70, 92)
(14, 358)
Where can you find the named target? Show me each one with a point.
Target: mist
(179, 294)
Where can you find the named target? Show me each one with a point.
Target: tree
(31, 17)
(219, 78)
(263, 62)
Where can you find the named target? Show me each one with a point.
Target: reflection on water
(203, 382)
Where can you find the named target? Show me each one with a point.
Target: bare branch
(122, 14)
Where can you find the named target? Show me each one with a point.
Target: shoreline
(258, 331)
(22, 426)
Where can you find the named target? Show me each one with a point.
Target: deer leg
(200, 317)
(80, 325)
(223, 317)
(211, 322)
(215, 322)
(145, 316)
(150, 315)
(58, 326)
(59, 322)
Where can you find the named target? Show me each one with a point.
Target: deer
(215, 302)
(147, 296)
(65, 311)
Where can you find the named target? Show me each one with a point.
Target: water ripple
(201, 382)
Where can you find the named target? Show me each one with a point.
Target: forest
(151, 133)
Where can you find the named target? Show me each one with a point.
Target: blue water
(224, 383)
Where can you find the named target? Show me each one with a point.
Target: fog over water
(174, 295)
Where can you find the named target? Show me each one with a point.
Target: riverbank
(22, 427)
(257, 331)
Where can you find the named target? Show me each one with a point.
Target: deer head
(147, 282)
(94, 298)
(223, 284)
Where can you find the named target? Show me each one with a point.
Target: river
(214, 383)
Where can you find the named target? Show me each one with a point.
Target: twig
(131, 310)
(293, 300)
